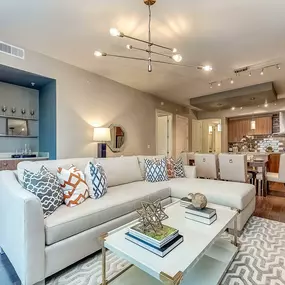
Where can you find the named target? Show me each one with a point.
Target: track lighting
(219, 84)
(278, 66)
(232, 81)
(266, 105)
(174, 50)
(129, 46)
(249, 74)
(207, 68)
(233, 108)
(211, 85)
(262, 71)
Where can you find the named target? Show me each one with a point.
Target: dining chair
(233, 167)
(280, 176)
(206, 165)
(186, 157)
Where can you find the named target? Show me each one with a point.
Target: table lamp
(101, 135)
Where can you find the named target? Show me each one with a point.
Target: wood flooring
(270, 207)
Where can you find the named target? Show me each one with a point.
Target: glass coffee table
(202, 258)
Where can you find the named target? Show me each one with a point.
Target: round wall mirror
(118, 138)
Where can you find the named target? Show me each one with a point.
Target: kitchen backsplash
(276, 144)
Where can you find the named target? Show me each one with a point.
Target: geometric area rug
(260, 260)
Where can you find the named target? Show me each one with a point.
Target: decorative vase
(199, 201)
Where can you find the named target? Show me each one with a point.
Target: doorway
(163, 133)
(182, 131)
(207, 136)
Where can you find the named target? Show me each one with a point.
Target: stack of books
(185, 202)
(206, 216)
(160, 242)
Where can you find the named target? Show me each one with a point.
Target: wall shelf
(22, 137)
(18, 118)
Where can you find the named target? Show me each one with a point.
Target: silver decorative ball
(199, 201)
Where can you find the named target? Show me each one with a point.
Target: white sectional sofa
(39, 247)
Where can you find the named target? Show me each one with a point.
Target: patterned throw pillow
(170, 163)
(46, 187)
(96, 180)
(155, 170)
(73, 185)
(179, 168)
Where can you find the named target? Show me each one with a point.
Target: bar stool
(233, 167)
(206, 165)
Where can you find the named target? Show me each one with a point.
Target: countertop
(39, 156)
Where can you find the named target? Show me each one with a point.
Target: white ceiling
(225, 34)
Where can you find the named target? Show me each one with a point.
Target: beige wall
(85, 99)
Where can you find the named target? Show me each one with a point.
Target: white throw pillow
(73, 185)
(96, 180)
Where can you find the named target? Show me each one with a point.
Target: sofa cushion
(96, 180)
(45, 186)
(73, 185)
(155, 170)
(121, 170)
(118, 201)
(141, 160)
(231, 194)
(51, 165)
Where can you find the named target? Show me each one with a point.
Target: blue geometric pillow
(96, 180)
(155, 170)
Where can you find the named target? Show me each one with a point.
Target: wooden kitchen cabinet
(237, 128)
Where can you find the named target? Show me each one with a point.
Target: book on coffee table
(207, 221)
(205, 213)
(158, 238)
(160, 251)
(185, 201)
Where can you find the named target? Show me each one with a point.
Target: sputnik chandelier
(175, 57)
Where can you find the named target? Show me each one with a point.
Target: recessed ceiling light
(233, 108)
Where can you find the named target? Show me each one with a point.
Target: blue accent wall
(47, 120)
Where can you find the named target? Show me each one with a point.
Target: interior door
(162, 135)
(196, 136)
(182, 130)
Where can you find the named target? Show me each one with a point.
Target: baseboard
(276, 193)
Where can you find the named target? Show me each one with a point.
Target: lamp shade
(101, 135)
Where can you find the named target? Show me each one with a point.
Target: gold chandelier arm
(149, 43)
(156, 61)
(153, 52)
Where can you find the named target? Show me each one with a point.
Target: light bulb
(278, 66)
(266, 105)
(249, 74)
(219, 84)
(129, 46)
(233, 108)
(174, 50)
(262, 72)
(232, 81)
(177, 57)
(98, 53)
(207, 68)
(115, 32)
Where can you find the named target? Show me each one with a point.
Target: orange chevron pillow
(73, 185)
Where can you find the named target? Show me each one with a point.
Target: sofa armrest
(190, 171)
(22, 229)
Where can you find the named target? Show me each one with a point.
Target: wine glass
(13, 110)
(23, 111)
(4, 109)
(32, 112)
